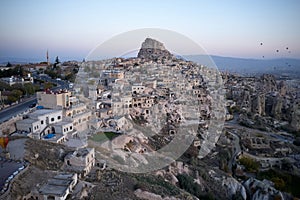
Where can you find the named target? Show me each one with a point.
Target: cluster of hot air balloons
(277, 51)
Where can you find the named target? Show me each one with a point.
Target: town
(148, 127)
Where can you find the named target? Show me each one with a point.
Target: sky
(71, 29)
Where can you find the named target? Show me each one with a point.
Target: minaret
(48, 63)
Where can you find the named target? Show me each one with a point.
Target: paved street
(7, 168)
(16, 109)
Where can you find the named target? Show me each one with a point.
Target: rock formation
(295, 117)
(268, 83)
(153, 49)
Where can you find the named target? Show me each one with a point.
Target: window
(71, 127)
(42, 122)
(58, 117)
(52, 119)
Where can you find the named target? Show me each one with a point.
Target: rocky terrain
(153, 50)
(254, 156)
(264, 102)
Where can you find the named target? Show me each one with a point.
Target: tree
(8, 64)
(17, 93)
(57, 60)
(249, 163)
(279, 183)
(48, 85)
(14, 95)
(29, 88)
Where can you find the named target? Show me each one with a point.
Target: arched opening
(50, 197)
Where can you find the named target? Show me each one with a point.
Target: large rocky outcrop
(258, 190)
(282, 88)
(258, 104)
(153, 49)
(234, 187)
(295, 117)
(267, 83)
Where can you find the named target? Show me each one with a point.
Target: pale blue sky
(70, 29)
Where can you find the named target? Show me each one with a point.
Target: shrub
(250, 164)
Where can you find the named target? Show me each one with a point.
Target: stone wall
(9, 126)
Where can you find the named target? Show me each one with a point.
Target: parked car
(32, 105)
(10, 177)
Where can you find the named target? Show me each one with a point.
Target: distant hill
(280, 66)
(246, 66)
(13, 60)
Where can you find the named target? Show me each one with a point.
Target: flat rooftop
(43, 112)
(61, 123)
(28, 121)
(50, 189)
(58, 185)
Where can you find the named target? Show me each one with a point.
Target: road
(14, 110)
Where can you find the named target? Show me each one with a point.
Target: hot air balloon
(3, 142)
(261, 43)
(277, 50)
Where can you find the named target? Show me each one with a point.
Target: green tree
(48, 85)
(11, 99)
(14, 96)
(8, 64)
(187, 183)
(17, 93)
(51, 73)
(29, 88)
(57, 60)
(250, 164)
(279, 183)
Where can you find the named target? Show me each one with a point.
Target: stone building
(80, 161)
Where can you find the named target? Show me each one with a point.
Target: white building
(80, 161)
(137, 89)
(58, 187)
(39, 122)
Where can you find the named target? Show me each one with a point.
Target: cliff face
(152, 49)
